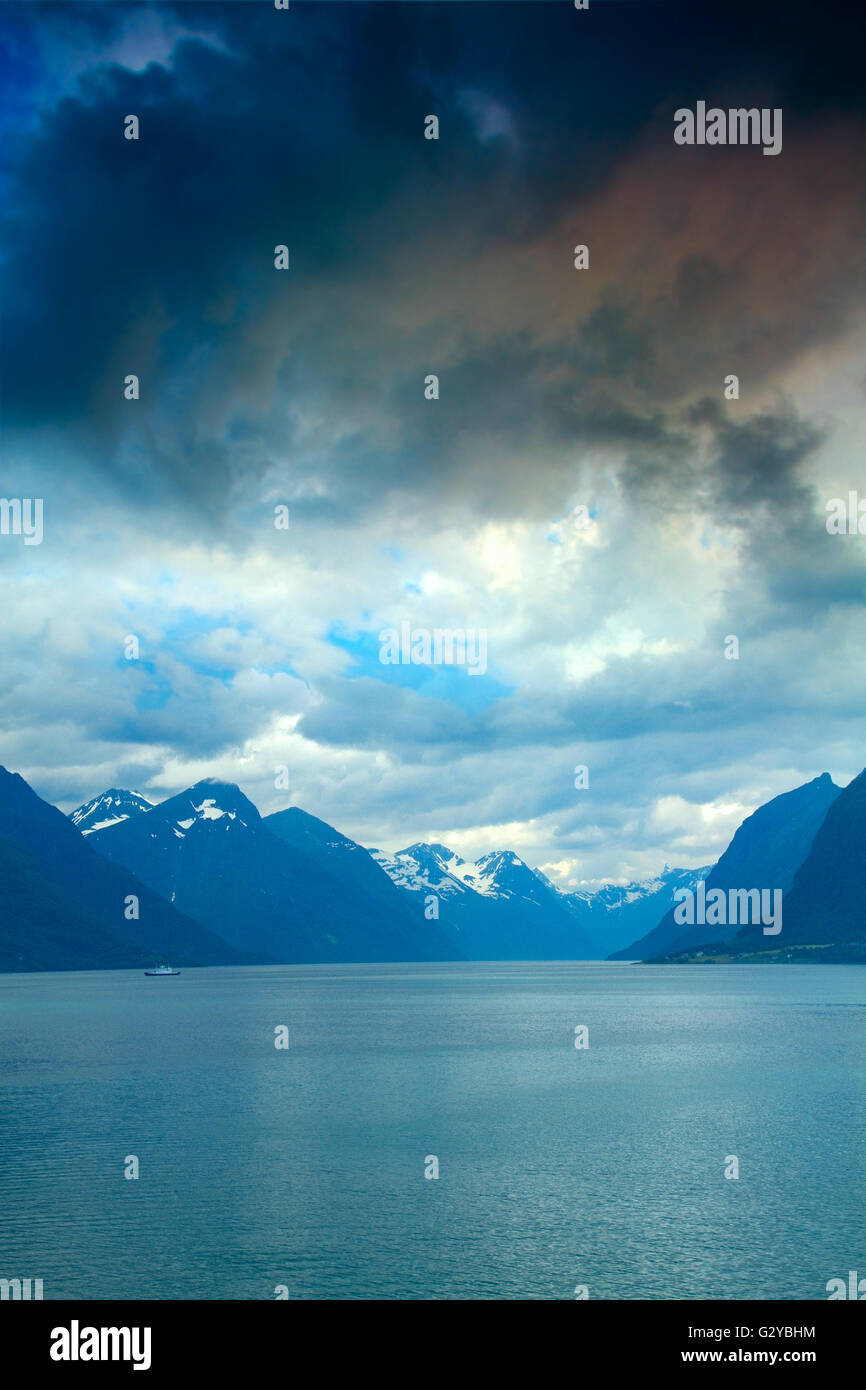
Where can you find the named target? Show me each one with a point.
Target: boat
(162, 970)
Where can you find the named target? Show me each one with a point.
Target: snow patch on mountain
(208, 810)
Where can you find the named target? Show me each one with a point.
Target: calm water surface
(558, 1167)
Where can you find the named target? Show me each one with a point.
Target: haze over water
(558, 1167)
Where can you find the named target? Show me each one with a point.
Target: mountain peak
(305, 821)
(210, 800)
(428, 848)
(207, 785)
(109, 808)
(500, 858)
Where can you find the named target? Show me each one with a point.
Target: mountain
(495, 909)
(41, 930)
(766, 852)
(109, 808)
(426, 869)
(64, 905)
(267, 888)
(376, 897)
(218, 884)
(616, 915)
(527, 904)
(825, 903)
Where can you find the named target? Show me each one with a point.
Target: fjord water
(305, 1167)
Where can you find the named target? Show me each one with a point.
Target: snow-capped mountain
(428, 869)
(208, 851)
(603, 920)
(109, 808)
(503, 874)
(494, 909)
(227, 804)
(618, 913)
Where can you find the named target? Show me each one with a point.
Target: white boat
(162, 970)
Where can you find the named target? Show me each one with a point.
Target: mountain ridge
(209, 850)
(219, 883)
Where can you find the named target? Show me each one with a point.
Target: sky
(582, 491)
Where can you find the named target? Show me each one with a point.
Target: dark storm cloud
(760, 484)
(305, 128)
